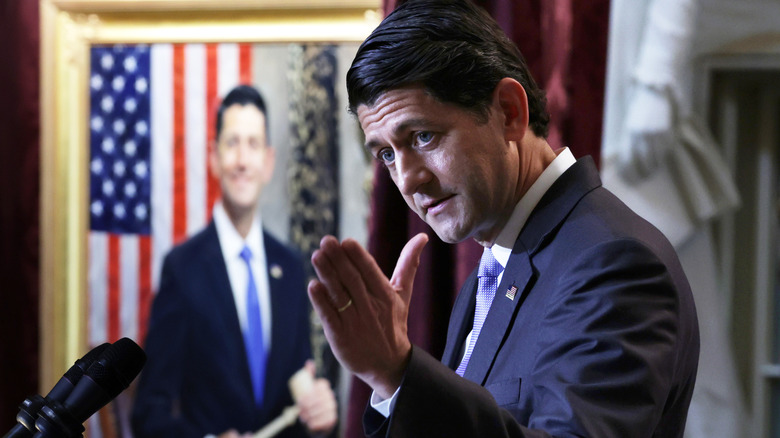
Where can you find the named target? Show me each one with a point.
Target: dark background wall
(19, 196)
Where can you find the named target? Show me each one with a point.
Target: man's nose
(411, 172)
(242, 153)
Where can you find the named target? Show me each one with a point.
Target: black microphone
(109, 375)
(29, 408)
(67, 382)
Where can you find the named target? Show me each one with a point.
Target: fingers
(323, 305)
(370, 273)
(358, 270)
(321, 261)
(406, 267)
(310, 367)
(338, 274)
(318, 407)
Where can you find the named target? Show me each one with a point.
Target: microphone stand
(56, 421)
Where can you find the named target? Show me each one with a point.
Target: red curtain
(565, 45)
(19, 196)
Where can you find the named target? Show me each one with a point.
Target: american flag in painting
(151, 121)
(119, 140)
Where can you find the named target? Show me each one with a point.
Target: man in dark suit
(229, 325)
(579, 320)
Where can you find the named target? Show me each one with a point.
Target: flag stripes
(183, 84)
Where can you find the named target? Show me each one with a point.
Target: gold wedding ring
(344, 307)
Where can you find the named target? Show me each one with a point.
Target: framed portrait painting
(129, 90)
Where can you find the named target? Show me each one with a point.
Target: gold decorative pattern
(313, 173)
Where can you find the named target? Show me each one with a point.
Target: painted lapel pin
(276, 271)
(510, 293)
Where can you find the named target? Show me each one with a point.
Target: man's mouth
(435, 205)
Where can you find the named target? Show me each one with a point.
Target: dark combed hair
(453, 48)
(241, 95)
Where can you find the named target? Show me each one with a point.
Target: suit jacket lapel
(552, 209)
(279, 319)
(517, 275)
(281, 323)
(220, 292)
(581, 178)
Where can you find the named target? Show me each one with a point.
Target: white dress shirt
(502, 247)
(231, 243)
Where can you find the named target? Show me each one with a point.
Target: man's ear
(509, 96)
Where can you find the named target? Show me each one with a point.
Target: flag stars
(130, 189)
(130, 105)
(119, 168)
(96, 82)
(107, 61)
(119, 126)
(108, 145)
(96, 166)
(130, 148)
(118, 84)
(96, 123)
(140, 169)
(119, 210)
(140, 212)
(141, 128)
(141, 85)
(107, 104)
(97, 208)
(130, 64)
(108, 187)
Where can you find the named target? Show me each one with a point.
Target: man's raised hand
(364, 314)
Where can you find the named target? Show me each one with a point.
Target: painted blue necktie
(489, 270)
(253, 335)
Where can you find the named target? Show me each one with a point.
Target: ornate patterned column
(313, 170)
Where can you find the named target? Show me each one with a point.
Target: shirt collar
(502, 248)
(231, 241)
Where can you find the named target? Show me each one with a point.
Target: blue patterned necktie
(489, 270)
(253, 335)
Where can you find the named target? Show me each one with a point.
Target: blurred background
(677, 100)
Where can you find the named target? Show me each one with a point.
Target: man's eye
(387, 155)
(424, 137)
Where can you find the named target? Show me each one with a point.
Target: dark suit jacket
(601, 339)
(196, 380)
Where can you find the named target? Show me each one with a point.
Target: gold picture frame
(68, 29)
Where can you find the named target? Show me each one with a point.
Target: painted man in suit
(579, 320)
(214, 365)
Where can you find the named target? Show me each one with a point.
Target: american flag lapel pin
(510, 293)
(276, 271)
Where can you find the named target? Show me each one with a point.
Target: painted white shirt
(231, 243)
